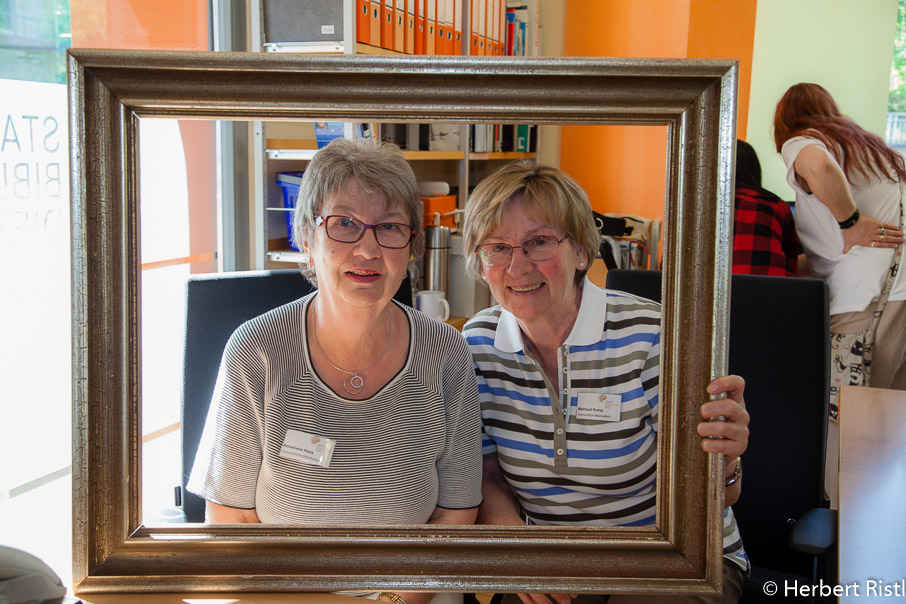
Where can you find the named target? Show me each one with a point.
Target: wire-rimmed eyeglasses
(346, 229)
(543, 247)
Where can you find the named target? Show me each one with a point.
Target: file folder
(375, 22)
(399, 25)
(409, 47)
(387, 24)
(431, 28)
(500, 16)
(363, 21)
(420, 29)
(493, 5)
(482, 27)
(448, 27)
(457, 27)
(473, 27)
(440, 44)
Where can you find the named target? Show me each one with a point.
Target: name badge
(307, 448)
(599, 406)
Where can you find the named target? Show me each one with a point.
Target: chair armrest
(816, 532)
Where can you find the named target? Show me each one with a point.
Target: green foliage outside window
(34, 36)
(896, 102)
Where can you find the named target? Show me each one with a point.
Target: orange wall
(163, 25)
(725, 29)
(623, 167)
(140, 24)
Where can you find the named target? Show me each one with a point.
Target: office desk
(872, 537)
(225, 598)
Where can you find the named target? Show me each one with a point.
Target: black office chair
(780, 344)
(216, 304)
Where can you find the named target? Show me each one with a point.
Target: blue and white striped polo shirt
(565, 467)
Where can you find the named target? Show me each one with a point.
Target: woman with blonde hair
(568, 375)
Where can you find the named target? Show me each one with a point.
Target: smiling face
(361, 274)
(542, 292)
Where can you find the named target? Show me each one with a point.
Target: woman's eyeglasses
(536, 249)
(345, 229)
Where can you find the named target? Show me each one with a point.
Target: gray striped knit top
(411, 447)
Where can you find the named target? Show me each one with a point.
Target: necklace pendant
(353, 384)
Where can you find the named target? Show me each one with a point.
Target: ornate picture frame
(110, 91)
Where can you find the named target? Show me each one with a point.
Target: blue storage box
(289, 182)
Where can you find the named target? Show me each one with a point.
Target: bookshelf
(288, 147)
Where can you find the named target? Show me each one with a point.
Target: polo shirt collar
(587, 329)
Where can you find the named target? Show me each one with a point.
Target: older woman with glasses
(568, 375)
(344, 407)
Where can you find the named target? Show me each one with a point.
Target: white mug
(432, 303)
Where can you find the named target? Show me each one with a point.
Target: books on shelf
(366, 130)
(327, 131)
(443, 137)
(503, 138)
(522, 18)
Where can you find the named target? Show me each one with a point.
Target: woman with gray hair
(568, 375)
(345, 407)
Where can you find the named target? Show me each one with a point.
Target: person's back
(764, 233)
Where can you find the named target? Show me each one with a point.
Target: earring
(581, 265)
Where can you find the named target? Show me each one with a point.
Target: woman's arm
(448, 516)
(214, 513)
(439, 516)
(730, 436)
(499, 505)
(821, 176)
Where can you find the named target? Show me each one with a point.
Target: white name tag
(307, 448)
(600, 406)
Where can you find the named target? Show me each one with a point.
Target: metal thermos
(437, 259)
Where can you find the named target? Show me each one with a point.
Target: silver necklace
(354, 383)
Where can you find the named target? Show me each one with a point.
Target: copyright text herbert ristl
(868, 587)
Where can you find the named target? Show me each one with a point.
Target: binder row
(503, 138)
(434, 27)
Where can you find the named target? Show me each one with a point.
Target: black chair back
(216, 304)
(780, 344)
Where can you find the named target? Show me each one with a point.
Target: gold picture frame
(109, 91)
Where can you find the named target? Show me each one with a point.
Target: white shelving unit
(280, 147)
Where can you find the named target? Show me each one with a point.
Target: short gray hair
(374, 167)
(551, 195)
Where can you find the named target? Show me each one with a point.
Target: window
(35, 309)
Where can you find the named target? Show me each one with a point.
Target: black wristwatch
(845, 224)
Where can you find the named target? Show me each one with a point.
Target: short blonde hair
(550, 195)
(375, 167)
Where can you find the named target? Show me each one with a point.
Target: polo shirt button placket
(564, 398)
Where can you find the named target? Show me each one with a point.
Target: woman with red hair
(848, 186)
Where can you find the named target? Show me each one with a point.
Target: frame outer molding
(111, 90)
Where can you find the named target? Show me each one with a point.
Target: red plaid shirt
(764, 236)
